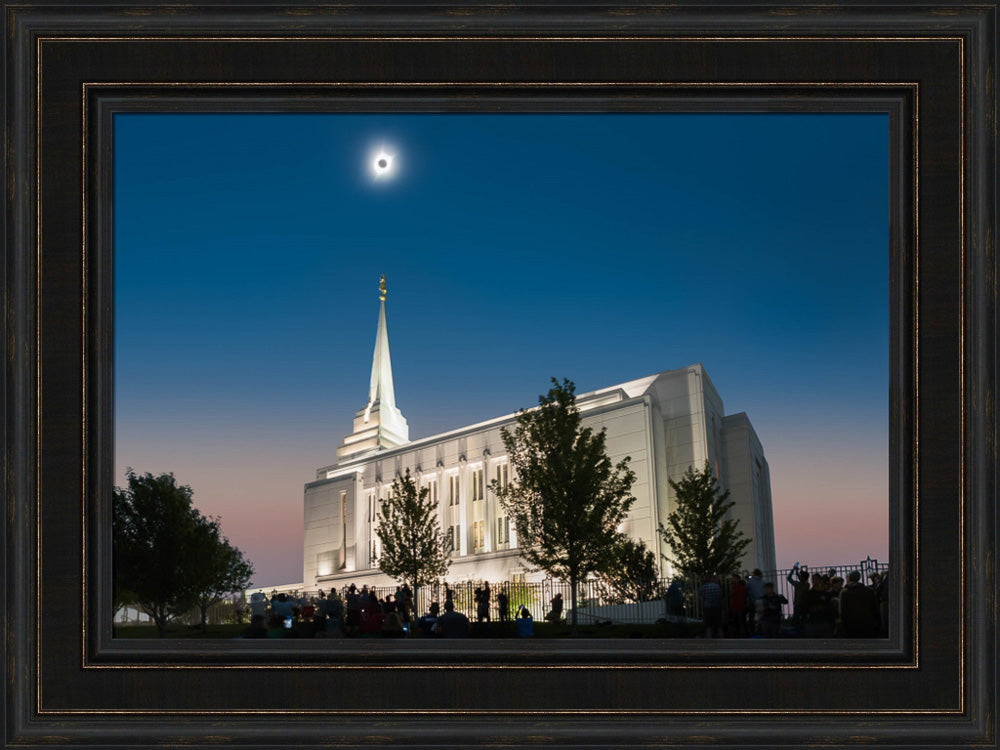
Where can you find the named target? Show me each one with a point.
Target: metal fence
(866, 568)
(596, 602)
(670, 598)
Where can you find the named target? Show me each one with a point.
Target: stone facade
(665, 423)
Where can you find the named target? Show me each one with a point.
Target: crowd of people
(355, 612)
(352, 612)
(824, 605)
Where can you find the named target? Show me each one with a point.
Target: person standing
(755, 593)
(770, 622)
(710, 593)
(819, 612)
(675, 598)
(334, 615)
(282, 605)
(258, 605)
(503, 605)
(481, 597)
(836, 587)
(737, 607)
(881, 587)
(483, 610)
(555, 614)
(353, 622)
(859, 615)
(404, 600)
(799, 578)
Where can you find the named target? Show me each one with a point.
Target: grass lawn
(484, 630)
(178, 631)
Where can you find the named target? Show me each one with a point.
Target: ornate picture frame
(70, 68)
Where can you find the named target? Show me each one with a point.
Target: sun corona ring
(383, 164)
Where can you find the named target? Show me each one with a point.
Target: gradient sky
(598, 247)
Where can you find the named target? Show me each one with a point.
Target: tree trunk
(572, 600)
(414, 598)
(160, 619)
(411, 611)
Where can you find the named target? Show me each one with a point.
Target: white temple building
(666, 423)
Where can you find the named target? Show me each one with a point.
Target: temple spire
(380, 389)
(379, 425)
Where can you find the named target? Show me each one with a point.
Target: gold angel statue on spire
(381, 287)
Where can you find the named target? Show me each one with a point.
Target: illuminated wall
(665, 423)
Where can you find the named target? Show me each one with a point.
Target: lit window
(502, 475)
(503, 532)
(454, 513)
(476, 493)
(476, 488)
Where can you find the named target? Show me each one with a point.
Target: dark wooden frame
(69, 68)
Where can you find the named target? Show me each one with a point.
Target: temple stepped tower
(379, 425)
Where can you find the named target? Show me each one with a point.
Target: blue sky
(598, 247)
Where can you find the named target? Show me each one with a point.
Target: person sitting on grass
(371, 622)
(307, 626)
(276, 627)
(525, 625)
(256, 629)
(392, 627)
(452, 624)
(427, 622)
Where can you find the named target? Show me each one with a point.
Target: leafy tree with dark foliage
(631, 574)
(218, 568)
(166, 554)
(702, 539)
(567, 498)
(413, 548)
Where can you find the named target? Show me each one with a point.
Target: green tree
(218, 568)
(413, 548)
(166, 554)
(631, 574)
(700, 536)
(567, 497)
(154, 527)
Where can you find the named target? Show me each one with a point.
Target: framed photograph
(71, 70)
